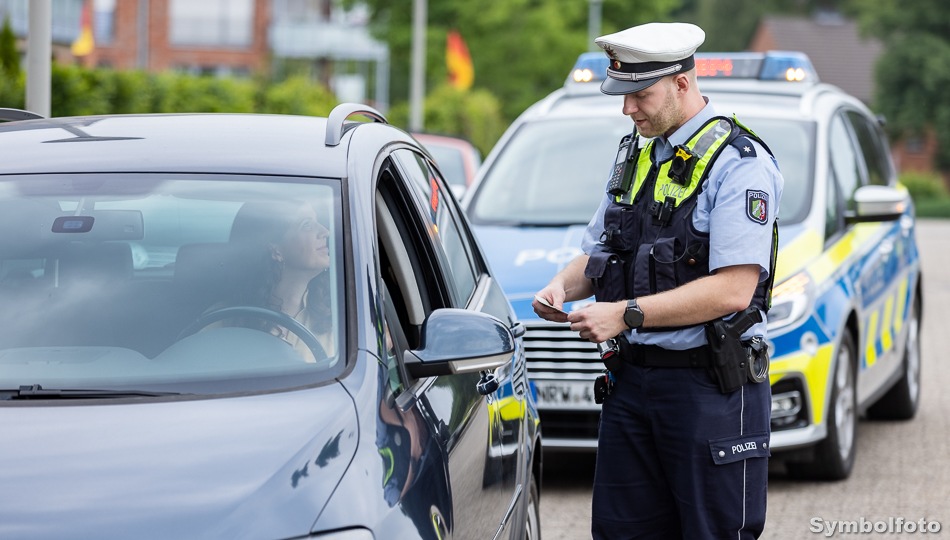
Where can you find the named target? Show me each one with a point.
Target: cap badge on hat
(642, 55)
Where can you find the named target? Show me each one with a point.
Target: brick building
(223, 38)
(215, 38)
(844, 58)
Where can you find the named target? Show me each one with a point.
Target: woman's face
(304, 246)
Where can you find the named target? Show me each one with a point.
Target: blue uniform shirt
(723, 211)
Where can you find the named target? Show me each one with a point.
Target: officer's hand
(549, 304)
(599, 321)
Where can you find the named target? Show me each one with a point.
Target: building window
(914, 145)
(222, 71)
(213, 23)
(104, 21)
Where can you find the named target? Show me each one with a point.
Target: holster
(732, 362)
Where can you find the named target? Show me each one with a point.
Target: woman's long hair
(257, 229)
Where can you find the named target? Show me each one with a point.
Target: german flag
(458, 62)
(85, 43)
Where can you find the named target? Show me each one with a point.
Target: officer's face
(654, 110)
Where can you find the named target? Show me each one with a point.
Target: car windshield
(553, 172)
(169, 283)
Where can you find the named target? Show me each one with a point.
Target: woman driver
(287, 252)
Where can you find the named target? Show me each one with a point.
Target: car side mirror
(878, 203)
(460, 341)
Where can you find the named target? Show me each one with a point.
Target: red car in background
(458, 159)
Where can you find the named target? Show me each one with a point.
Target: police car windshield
(553, 172)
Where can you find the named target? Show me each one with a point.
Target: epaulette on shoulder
(744, 145)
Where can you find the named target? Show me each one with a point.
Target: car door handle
(517, 329)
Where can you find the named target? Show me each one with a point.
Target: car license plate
(565, 394)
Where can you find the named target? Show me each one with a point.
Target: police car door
(471, 422)
(879, 271)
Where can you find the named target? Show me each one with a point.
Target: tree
(731, 24)
(913, 74)
(521, 49)
(9, 56)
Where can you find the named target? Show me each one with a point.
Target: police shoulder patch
(744, 146)
(757, 206)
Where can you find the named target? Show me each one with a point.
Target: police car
(845, 319)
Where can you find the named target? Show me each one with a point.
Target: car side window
(394, 342)
(406, 259)
(442, 224)
(844, 159)
(871, 140)
(833, 208)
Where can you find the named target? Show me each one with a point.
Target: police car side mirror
(460, 341)
(878, 203)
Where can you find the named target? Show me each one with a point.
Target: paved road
(902, 469)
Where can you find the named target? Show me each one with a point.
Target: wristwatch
(633, 316)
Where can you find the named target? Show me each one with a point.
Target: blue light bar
(790, 66)
(590, 67)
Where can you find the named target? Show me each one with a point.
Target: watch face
(633, 316)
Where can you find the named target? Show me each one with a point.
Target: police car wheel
(834, 456)
(901, 401)
(533, 517)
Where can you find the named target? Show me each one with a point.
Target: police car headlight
(791, 301)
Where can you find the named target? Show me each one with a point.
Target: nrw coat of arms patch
(757, 206)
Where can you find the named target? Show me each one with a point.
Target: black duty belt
(655, 356)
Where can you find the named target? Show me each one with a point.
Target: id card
(544, 302)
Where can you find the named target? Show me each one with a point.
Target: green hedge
(77, 91)
(929, 192)
(474, 115)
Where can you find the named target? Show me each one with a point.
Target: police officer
(682, 247)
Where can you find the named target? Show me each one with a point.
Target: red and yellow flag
(85, 43)
(458, 62)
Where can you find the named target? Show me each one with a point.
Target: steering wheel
(277, 317)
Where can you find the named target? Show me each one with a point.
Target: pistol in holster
(736, 361)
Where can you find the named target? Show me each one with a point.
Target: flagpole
(417, 80)
(38, 50)
(593, 23)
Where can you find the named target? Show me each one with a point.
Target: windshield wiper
(527, 224)
(551, 224)
(36, 391)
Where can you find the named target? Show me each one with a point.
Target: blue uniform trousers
(676, 458)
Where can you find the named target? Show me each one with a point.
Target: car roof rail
(12, 115)
(339, 114)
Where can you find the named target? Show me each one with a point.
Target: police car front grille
(553, 348)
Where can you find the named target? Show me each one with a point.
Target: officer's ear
(682, 82)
